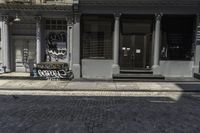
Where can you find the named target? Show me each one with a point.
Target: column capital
(77, 17)
(117, 15)
(158, 16)
(6, 19)
(38, 19)
(69, 20)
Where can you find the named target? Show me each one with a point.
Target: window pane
(97, 37)
(177, 37)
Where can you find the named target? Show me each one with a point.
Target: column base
(76, 71)
(115, 69)
(5, 70)
(156, 70)
(195, 69)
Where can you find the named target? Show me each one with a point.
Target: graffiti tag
(55, 73)
(53, 70)
(56, 42)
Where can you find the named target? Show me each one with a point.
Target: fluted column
(6, 45)
(196, 65)
(69, 40)
(116, 35)
(156, 67)
(76, 47)
(38, 40)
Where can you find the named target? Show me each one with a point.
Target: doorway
(133, 52)
(25, 54)
(135, 42)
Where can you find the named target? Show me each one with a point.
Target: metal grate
(95, 45)
(97, 38)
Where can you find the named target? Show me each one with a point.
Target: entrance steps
(136, 72)
(136, 75)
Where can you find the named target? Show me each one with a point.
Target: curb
(101, 90)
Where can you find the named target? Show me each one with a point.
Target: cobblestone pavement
(69, 113)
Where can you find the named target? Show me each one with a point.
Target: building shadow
(102, 114)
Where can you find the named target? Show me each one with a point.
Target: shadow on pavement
(102, 114)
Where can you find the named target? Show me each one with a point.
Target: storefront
(120, 36)
(102, 38)
(32, 34)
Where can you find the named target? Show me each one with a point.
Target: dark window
(177, 37)
(56, 24)
(97, 37)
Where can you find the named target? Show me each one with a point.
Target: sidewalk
(48, 85)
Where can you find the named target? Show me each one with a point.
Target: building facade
(102, 38)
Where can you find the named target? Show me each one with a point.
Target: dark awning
(140, 2)
(65, 8)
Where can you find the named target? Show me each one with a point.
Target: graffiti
(53, 70)
(52, 65)
(57, 48)
(59, 74)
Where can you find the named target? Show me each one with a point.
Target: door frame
(13, 48)
(144, 62)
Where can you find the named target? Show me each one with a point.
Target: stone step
(137, 76)
(197, 75)
(136, 71)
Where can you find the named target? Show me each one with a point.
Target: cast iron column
(6, 45)
(115, 66)
(38, 40)
(196, 65)
(76, 47)
(69, 40)
(156, 67)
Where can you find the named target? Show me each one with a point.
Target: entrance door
(133, 52)
(25, 53)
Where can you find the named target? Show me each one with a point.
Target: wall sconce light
(17, 19)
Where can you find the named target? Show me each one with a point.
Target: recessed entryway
(135, 42)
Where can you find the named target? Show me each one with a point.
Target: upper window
(97, 37)
(177, 37)
(56, 24)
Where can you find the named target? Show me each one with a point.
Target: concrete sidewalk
(99, 86)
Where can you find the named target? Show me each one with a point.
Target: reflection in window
(177, 37)
(97, 37)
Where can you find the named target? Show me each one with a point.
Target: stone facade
(57, 28)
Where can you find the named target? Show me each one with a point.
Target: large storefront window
(97, 37)
(56, 38)
(177, 37)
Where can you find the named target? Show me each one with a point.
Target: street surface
(99, 112)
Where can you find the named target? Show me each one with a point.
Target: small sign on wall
(138, 51)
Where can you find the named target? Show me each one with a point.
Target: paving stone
(81, 85)
(138, 113)
(105, 85)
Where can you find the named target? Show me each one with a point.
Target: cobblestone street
(134, 112)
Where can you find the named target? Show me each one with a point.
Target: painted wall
(176, 68)
(97, 69)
